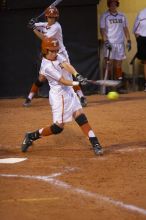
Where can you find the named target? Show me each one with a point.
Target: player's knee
(81, 119)
(38, 83)
(56, 129)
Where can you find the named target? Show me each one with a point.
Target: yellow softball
(113, 95)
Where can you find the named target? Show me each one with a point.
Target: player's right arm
(136, 25)
(38, 30)
(68, 82)
(38, 34)
(103, 34)
(103, 27)
(62, 80)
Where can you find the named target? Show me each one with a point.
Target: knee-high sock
(118, 73)
(33, 91)
(45, 131)
(87, 130)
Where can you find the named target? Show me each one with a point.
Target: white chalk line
(50, 179)
(45, 199)
(131, 149)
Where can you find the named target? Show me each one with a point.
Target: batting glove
(31, 23)
(128, 45)
(81, 79)
(108, 45)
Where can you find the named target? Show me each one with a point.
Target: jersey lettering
(115, 20)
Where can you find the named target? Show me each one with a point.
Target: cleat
(83, 101)
(98, 149)
(27, 102)
(96, 146)
(27, 142)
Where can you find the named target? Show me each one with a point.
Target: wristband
(75, 83)
(75, 74)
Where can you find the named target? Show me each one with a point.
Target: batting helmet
(52, 12)
(49, 44)
(111, 1)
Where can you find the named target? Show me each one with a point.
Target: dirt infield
(62, 179)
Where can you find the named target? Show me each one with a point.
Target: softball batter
(64, 102)
(51, 28)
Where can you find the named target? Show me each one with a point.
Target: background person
(139, 29)
(51, 28)
(114, 29)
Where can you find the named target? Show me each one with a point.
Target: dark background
(20, 48)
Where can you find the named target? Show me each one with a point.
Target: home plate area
(12, 160)
(60, 177)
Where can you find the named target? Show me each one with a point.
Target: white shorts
(64, 105)
(117, 53)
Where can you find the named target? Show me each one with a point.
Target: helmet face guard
(51, 44)
(111, 1)
(52, 12)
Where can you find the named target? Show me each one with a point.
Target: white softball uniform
(55, 31)
(140, 30)
(63, 100)
(140, 23)
(113, 25)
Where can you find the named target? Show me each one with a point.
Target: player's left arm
(126, 32)
(69, 68)
(127, 35)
